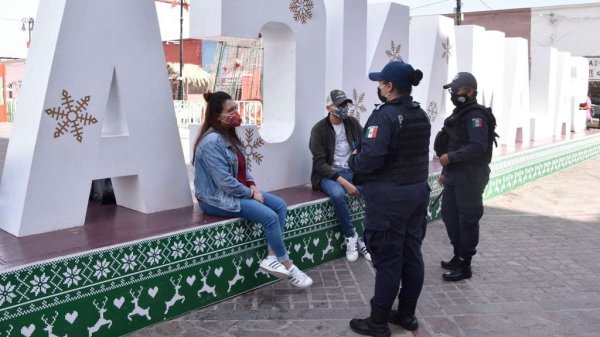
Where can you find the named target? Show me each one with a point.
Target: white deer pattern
(50, 325)
(329, 247)
(137, 310)
(237, 276)
(307, 255)
(101, 321)
(205, 287)
(177, 296)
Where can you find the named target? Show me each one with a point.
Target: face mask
(458, 100)
(341, 112)
(233, 120)
(381, 97)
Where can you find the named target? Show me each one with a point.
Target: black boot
(452, 264)
(405, 315)
(461, 273)
(369, 327)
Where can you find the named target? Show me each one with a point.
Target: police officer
(392, 165)
(464, 154)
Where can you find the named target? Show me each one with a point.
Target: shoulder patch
(477, 122)
(372, 132)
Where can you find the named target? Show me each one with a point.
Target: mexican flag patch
(372, 132)
(477, 122)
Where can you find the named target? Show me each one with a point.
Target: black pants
(462, 208)
(395, 225)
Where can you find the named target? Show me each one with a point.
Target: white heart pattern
(118, 302)
(337, 235)
(316, 242)
(249, 261)
(297, 247)
(27, 331)
(71, 317)
(190, 280)
(153, 291)
(219, 271)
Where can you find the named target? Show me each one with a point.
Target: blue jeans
(339, 200)
(271, 215)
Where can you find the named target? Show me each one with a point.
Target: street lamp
(180, 89)
(29, 27)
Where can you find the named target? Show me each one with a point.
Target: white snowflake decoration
(358, 104)
(129, 262)
(154, 255)
(199, 244)
(71, 117)
(220, 239)
(72, 276)
(101, 269)
(40, 284)
(257, 230)
(177, 250)
(6, 293)
(238, 234)
(302, 10)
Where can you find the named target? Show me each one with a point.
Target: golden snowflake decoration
(447, 48)
(357, 105)
(394, 52)
(72, 116)
(432, 111)
(302, 10)
(251, 147)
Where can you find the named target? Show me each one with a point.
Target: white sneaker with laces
(351, 248)
(299, 278)
(274, 267)
(362, 248)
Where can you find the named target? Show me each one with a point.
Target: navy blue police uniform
(392, 165)
(466, 175)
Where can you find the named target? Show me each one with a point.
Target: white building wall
(567, 28)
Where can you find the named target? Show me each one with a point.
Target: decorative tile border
(116, 290)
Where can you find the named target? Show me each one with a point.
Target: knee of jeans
(271, 221)
(338, 196)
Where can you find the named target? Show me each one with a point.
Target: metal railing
(11, 105)
(187, 112)
(192, 112)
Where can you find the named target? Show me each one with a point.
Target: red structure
(192, 51)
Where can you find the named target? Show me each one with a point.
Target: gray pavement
(537, 274)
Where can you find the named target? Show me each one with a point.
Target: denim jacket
(216, 168)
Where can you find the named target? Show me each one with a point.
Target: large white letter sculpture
(95, 103)
(294, 78)
(516, 94)
(435, 55)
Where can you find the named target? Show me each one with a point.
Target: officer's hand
(441, 180)
(351, 189)
(444, 160)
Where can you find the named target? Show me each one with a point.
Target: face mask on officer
(380, 94)
(457, 98)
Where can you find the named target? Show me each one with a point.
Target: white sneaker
(299, 278)
(274, 267)
(362, 248)
(351, 248)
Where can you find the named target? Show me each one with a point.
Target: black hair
(406, 89)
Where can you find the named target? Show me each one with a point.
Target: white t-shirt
(341, 154)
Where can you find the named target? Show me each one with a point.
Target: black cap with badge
(462, 80)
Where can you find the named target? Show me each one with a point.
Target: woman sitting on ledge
(224, 187)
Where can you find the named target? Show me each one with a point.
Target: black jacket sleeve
(318, 145)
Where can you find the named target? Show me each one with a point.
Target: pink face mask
(233, 120)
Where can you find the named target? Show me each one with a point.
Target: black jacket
(322, 146)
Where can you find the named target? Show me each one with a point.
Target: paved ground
(537, 274)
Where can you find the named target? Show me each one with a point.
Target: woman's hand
(257, 194)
